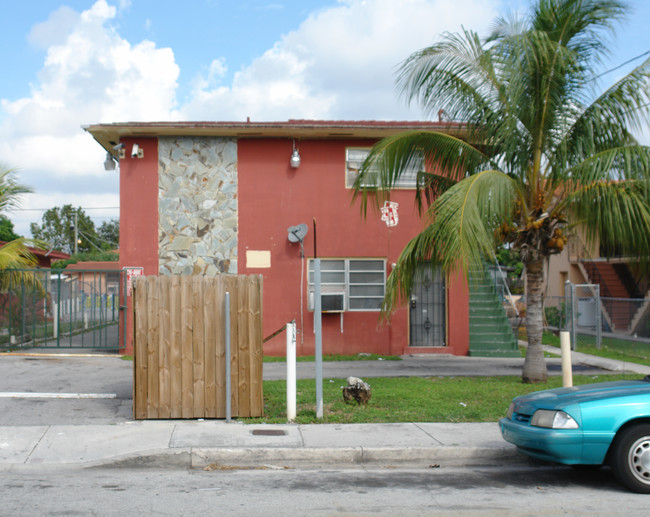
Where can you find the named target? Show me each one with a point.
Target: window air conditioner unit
(329, 301)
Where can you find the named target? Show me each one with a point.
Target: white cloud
(90, 75)
(55, 29)
(340, 63)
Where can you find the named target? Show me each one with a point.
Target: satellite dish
(297, 233)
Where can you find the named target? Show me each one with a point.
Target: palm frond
(15, 257)
(461, 232)
(607, 121)
(441, 160)
(10, 189)
(617, 213)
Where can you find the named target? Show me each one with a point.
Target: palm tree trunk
(534, 370)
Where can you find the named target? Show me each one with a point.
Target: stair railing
(504, 286)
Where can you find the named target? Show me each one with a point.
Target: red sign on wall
(130, 273)
(389, 213)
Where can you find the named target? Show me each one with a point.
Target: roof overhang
(109, 135)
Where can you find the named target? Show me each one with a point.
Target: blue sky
(76, 62)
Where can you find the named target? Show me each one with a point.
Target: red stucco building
(218, 197)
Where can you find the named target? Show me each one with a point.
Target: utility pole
(76, 231)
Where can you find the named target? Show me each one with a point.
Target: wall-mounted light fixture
(109, 162)
(295, 157)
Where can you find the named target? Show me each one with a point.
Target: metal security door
(427, 309)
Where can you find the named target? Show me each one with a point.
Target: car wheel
(631, 458)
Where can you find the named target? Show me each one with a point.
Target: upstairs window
(354, 158)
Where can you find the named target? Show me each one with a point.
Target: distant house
(623, 288)
(100, 277)
(206, 198)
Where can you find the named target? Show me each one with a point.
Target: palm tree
(542, 150)
(14, 254)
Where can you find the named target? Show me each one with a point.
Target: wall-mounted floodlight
(109, 162)
(295, 157)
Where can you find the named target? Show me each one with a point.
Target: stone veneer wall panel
(197, 205)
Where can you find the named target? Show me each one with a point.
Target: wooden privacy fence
(180, 347)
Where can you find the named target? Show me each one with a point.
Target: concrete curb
(216, 458)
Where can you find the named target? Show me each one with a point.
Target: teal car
(593, 424)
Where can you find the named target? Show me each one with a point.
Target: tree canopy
(7, 232)
(60, 226)
(109, 234)
(544, 149)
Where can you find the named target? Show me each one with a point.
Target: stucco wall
(197, 205)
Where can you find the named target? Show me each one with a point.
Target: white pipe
(565, 345)
(291, 371)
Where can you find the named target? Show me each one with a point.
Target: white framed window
(349, 284)
(354, 158)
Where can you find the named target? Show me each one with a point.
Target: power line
(620, 66)
(50, 208)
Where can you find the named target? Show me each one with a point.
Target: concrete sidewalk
(217, 444)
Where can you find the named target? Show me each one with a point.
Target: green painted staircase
(490, 334)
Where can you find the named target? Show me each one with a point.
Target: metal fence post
(569, 309)
(55, 320)
(319, 339)
(599, 319)
(574, 336)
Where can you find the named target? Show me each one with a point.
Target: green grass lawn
(611, 348)
(410, 399)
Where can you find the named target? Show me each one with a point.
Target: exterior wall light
(109, 163)
(295, 157)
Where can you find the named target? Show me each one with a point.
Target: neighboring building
(218, 197)
(96, 277)
(624, 290)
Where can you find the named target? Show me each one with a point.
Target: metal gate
(427, 309)
(54, 309)
(583, 314)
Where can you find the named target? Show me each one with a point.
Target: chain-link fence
(617, 324)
